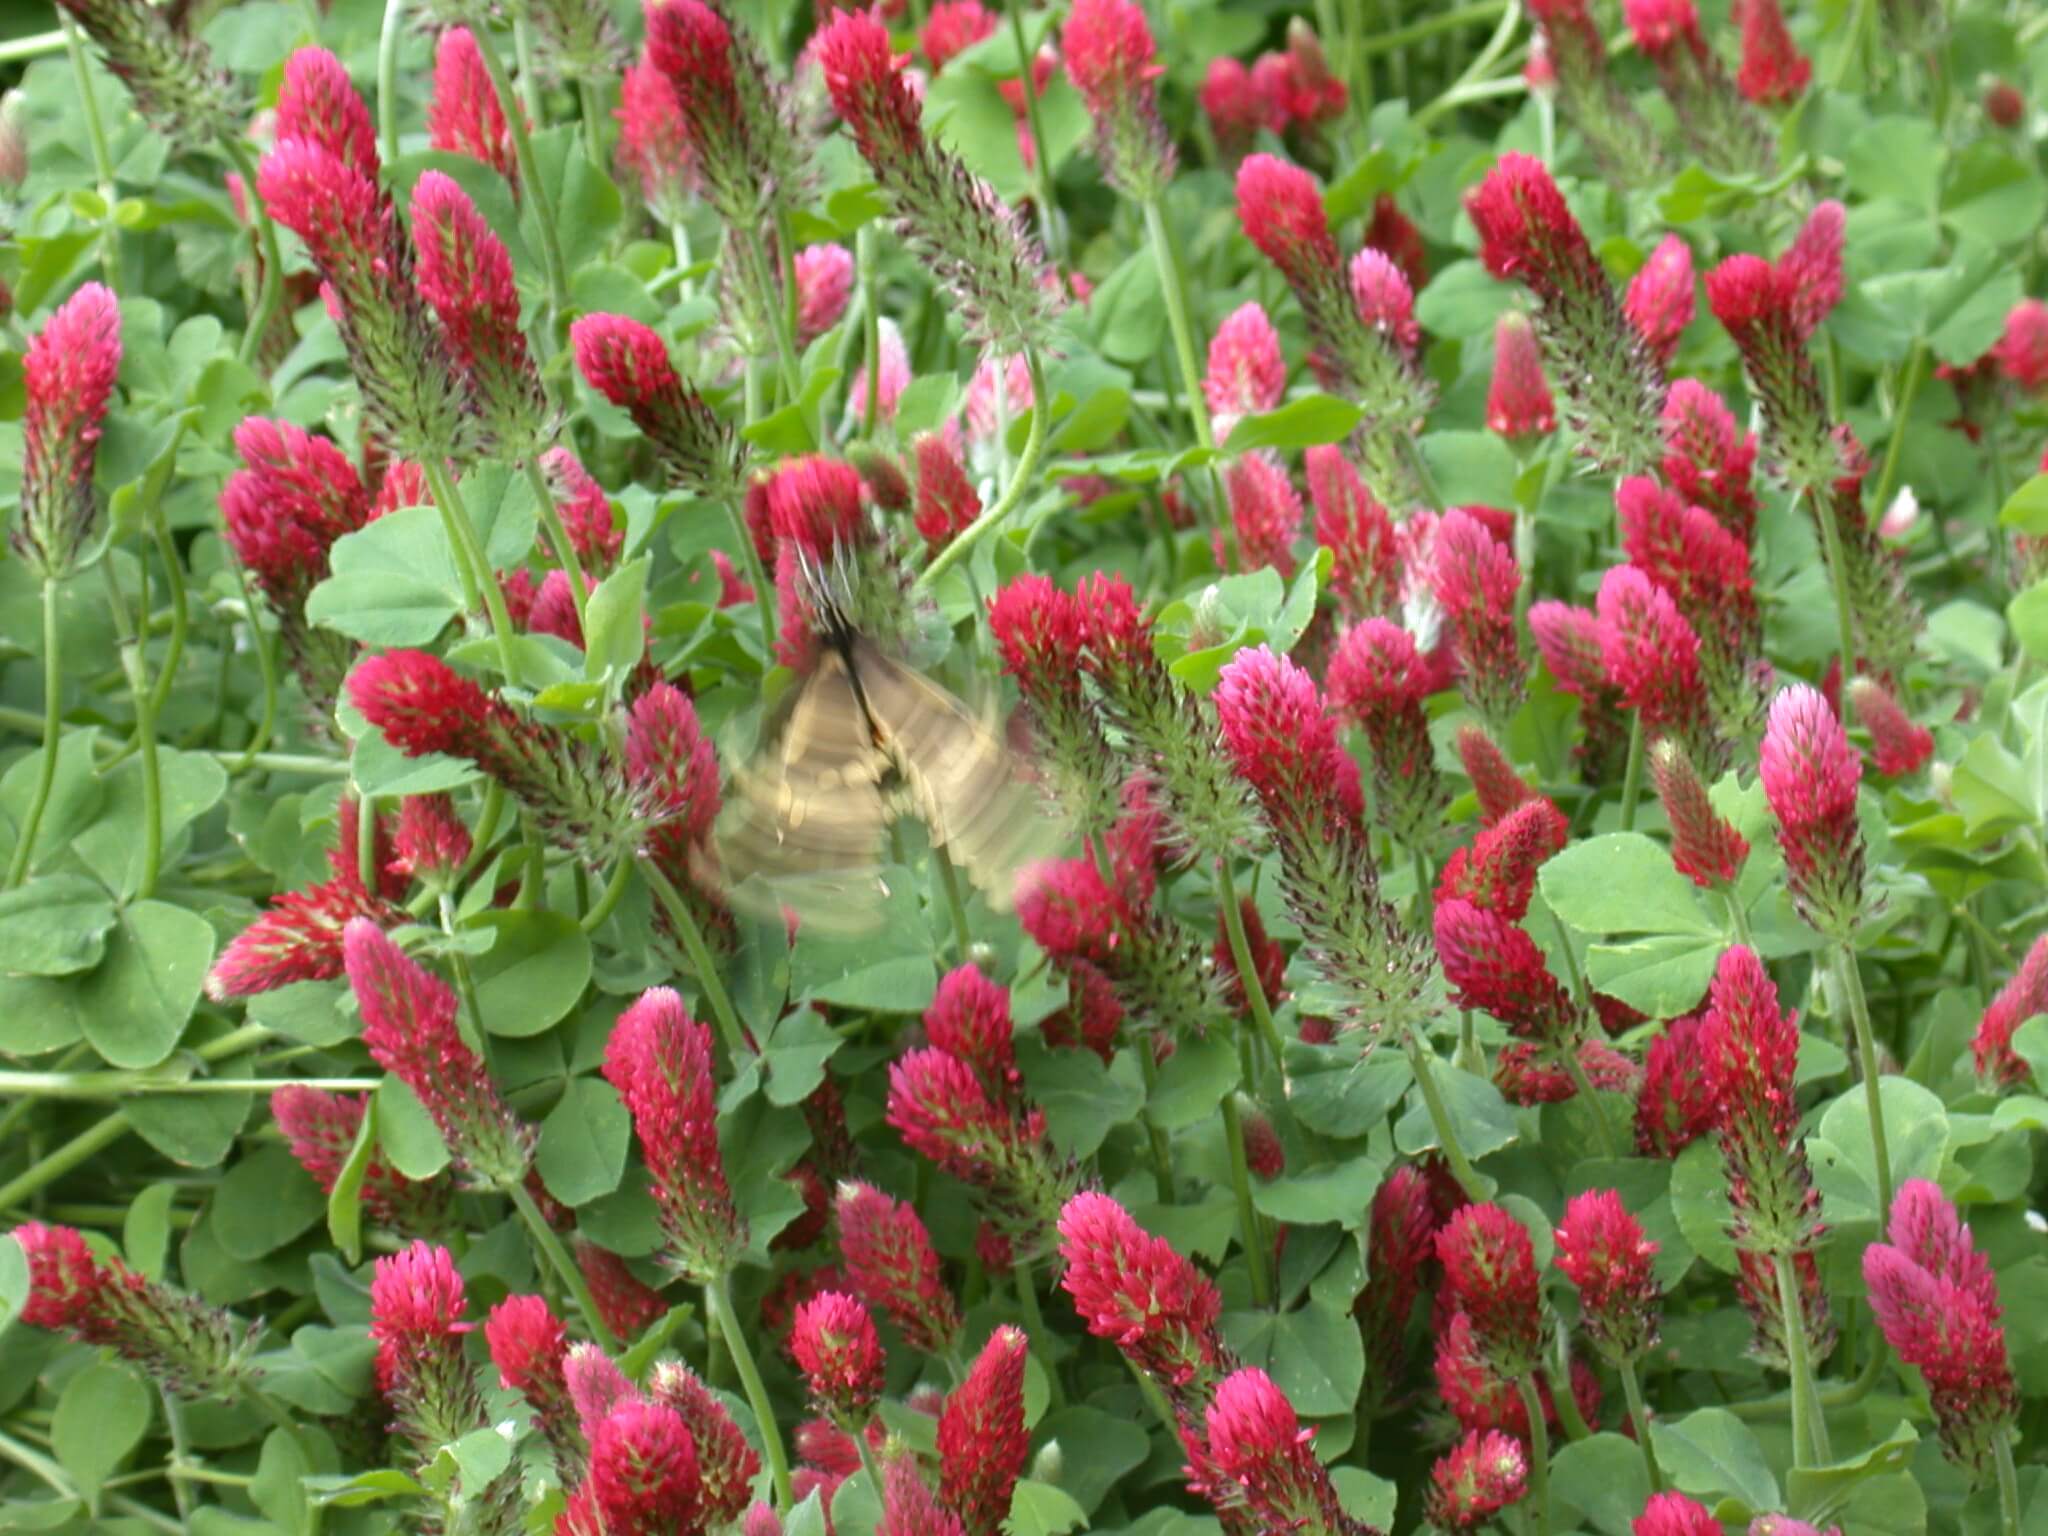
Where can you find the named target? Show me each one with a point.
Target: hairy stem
(718, 1302)
(1423, 1061)
(471, 558)
(1539, 1452)
(1247, 1214)
(53, 737)
(1809, 1428)
(1241, 957)
(559, 541)
(1639, 1417)
(550, 1245)
(1013, 489)
(537, 195)
(1873, 1084)
(692, 940)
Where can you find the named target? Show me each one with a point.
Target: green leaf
(1480, 1118)
(925, 404)
(75, 796)
(808, 1518)
(533, 973)
(1315, 1354)
(1192, 1082)
(788, 431)
(189, 785)
(1899, 157)
(134, 1006)
(1993, 195)
(1301, 423)
(407, 1132)
(2026, 509)
(14, 1279)
(196, 1130)
(2027, 613)
(614, 637)
(1335, 1093)
(1040, 1509)
(1845, 1162)
(1699, 1203)
(795, 1053)
(264, 1202)
(1710, 1454)
(1818, 1494)
(1622, 883)
(345, 1200)
(1083, 1100)
(54, 926)
(102, 1416)
(146, 1229)
(583, 1143)
(1463, 301)
(1663, 975)
(1338, 1192)
(1990, 786)
(1096, 1450)
(1604, 1480)
(1129, 311)
(1366, 1496)
(393, 583)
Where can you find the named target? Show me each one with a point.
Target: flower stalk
(566, 1269)
(718, 1303)
(1866, 1061)
(472, 562)
(538, 196)
(1013, 489)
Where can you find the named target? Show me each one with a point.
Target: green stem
(1155, 1399)
(1873, 1083)
(692, 938)
(367, 872)
(757, 576)
(537, 195)
(1639, 1416)
(1041, 165)
(387, 76)
(560, 542)
(102, 157)
(762, 276)
(174, 581)
(132, 666)
(1013, 489)
(1039, 1335)
(1838, 574)
(1247, 1215)
(1247, 968)
(53, 736)
(266, 668)
(1167, 260)
(871, 330)
(18, 50)
(87, 1144)
(718, 1301)
(550, 1245)
(271, 291)
(1162, 1156)
(1632, 775)
(1910, 376)
(2008, 1486)
(1398, 38)
(87, 1087)
(1809, 1429)
(1575, 1069)
(593, 121)
(963, 938)
(470, 556)
(1422, 1061)
(1737, 918)
(1539, 1451)
(609, 898)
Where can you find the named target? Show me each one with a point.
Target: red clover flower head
(1476, 579)
(464, 115)
(1518, 401)
(1751, 1050)
(318, 102)
(416, 1318)
(1660, 302)
(1279, 736)
(892, 1265)
(824, 285)
(1281, 209)
(1478, 1478)
(1385, 301)
(726, 1463)
(2026, 994)
(1256, 1441)
(654, 145)
(1774, 72)
(1601, 1249)
(1810, 773)
(1490, 1273)
(628, 364)
(643, 1476)
(1265, 512)
(952, 27)
(1673, 1514)
(659, 1060)
(1705, 847)
(1493, 965)
(1357, 530)
(2022, 348)
(1136, 1291)
(465, 273)
(814, 502)
(1108, 50)
(1247, 374)
(947, 502)
(321, 1130)
(1898, 746)
(1231, 103)
(1498, 872)
(1812, 266)
(1379, 678)
(909, 1507)
(837, 1349)
(1676, 1104)
(68, 381)
(597, 536)
(527, 1344)
(969, 1017)
(982, 1439)
(1708, 461)
(1495, 782)
(409, 1028)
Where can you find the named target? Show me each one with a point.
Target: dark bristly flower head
(409, 1028)
(1609, 376)
(892, 1265)
(973, 242)
(1107, 48)
(1257, 1449)
(1571, 59)
(1898, 746)
(628, 364)
(836, 1347)
(68, 382)
(1495, 782)
(194, 1350)
(1490, 1274)
(417, 1304)
(464, 115)
(745, 147)
(1810, 773)
(1136, 1291)
(1650, 652)
(1705, 847)
(465, 273)
(1478, 1478)
(1601, 1249)
(2025, 995)
(171, 74)
(1723, 129)
(1936, 1299)
(982, 1439)
(1676, 1104)
(1518, 403)
(654, 151)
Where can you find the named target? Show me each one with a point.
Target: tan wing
(803, 823)
(961, 778)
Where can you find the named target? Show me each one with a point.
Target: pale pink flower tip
(1247, 374)
(1385, 301)
(1898, 746)
(824, 284)
(2022, 351)
(1281, 209)
(1673, 1514)
(1518, 401)
(1660, 303)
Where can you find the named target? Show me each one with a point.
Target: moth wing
(961, 778)
(803, 823)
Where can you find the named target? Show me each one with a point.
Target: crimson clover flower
(628, 364)
(892, 1265)
(321, 1128)
(1602, 1250)
(1357, 530)
(1139, 1293)
(836, 1347)
(1475, 1480)
(1256, 1446)
(2023, 996)
(1107, 48)
(643, 1478)
(1810, 773)
(1519, 407)
(1659, 302)
(1705, 847)
(464, 115)
(1773, 71)
(68, 382)
(982, 1439)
